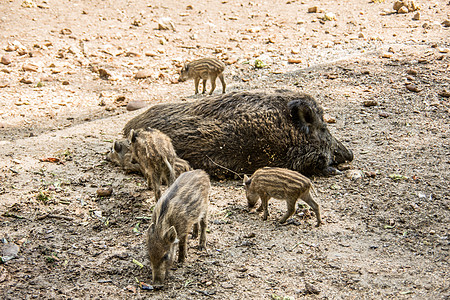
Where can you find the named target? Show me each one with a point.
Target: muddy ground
(386, 231)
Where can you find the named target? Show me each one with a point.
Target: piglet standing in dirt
(203, 69)
(154, 152)
(281, 184)
(120, 154)
(182, 206)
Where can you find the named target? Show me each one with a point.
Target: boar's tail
(171, 171)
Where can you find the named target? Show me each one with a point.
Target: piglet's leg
(290, 210)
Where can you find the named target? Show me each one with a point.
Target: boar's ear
(245, 179)
(301, 114)
(117, 146)
(171, 235)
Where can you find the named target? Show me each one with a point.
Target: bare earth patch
(69, 70)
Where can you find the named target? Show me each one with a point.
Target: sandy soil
(386, 219)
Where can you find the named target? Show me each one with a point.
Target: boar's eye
(166, 257)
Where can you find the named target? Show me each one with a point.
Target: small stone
(31, 67)
(142, 74)
(370, 174)
(398, 5)
(329, 17)
(361, 35)
(329, 119)
(104, 192)
(403, 10)
(410, 78)
(444, 93)
(443, 50)
(135, 105)
(383, 115)
(65, 82)
(391, 50)
(368, 103)
(313, 9)
(412, 87)
(104, 74)
(166, 24)
(295, 50)
(294, 60)
(446, 23)
(26, 80)
(354, 174)
(310, 289)
(386, 55)
(151, 53)
(6, 59)
(28, 4)
(411, 72)
(416, 16)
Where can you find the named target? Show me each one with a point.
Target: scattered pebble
(354, 174)
(294, 60)
(329, 119)
(444, 93)
(104, 192)
(386, 55)
(6, 59)
(31, 67)
(135, 105)
(403, 10)
(416, 16)
(368, 103)
(66, 31)
(166, 23)
(411, 72)
(443, 50)
(446, 23)
(151, 53)
(142, 74)
(310, 289)
(370, 174)
(313, 9)
(329, 17)
(412, 88)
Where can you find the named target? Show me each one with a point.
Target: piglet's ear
(171, 235)
(152, 228)
(301, 114)
(133, 136)
(117, 146)
(247, 180)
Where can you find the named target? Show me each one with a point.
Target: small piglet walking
(279, 183)
(182, 207)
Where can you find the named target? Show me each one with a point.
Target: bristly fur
(244, 131)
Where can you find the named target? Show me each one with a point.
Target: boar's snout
(341, 153)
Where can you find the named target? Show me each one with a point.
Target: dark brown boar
(154, 152)
(183, 205)
(245, 131)
(205, 68)
(282, 184)
(120, 155)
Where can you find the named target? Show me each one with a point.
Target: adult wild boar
(247, 130)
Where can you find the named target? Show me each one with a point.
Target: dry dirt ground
(386, 231)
